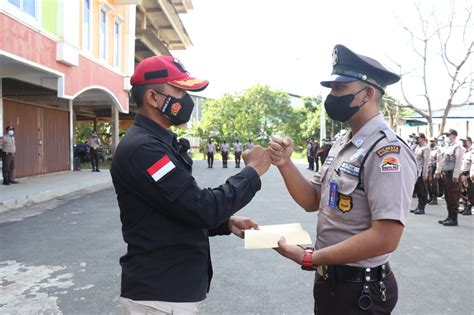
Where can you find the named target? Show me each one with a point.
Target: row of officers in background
(224, 148)
(444, 168)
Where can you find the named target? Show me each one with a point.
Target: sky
(288, 44)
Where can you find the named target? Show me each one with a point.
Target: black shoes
(451, 222)
(419, 211)
(467, 210)
(414, 210)
(434, 201)
(445, 220)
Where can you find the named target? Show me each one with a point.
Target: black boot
(420, 210)
(464, 209)
(467, 210)
(415, 210)
(453, 221)
(434, 201)
(445, 220)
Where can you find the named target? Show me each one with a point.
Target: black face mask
(339, 107)
(432, 145)
(177, 110)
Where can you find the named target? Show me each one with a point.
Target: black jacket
(167, 218)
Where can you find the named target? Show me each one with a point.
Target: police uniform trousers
(210, 159)
(237, 158)
(225, 157)
(452, 192)
(8, 165)
(469, 189)
(94, 153)
(422, 192)
(433, 184)
(334, 296)
(310, 162)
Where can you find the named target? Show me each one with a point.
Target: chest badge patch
(390, 164)
(350, 169)
(388, 149)
(344, 203)
(329, 160)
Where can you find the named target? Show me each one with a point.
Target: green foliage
(258, 113)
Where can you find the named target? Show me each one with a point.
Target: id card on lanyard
(332, 200)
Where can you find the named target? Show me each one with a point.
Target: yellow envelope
(269, 235)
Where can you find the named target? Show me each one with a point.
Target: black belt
(344, 273)
(8, 153)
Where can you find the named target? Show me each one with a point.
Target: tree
(256, 114)
(456, 29)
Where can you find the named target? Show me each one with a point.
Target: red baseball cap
(166, 69)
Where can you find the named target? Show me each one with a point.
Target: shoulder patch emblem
(390, 164)
(388, 149)
(344, 203)
(161, 167)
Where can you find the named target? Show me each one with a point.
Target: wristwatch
(307, 263)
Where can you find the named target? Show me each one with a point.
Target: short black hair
(138, 91)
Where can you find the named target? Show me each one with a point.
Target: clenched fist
(258, 158)
(280, 150)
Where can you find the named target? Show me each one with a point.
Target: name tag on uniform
(332, 194)
(350, 169)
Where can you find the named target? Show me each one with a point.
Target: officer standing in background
(237, 152)
(250, 144)
(363, 194)
(465, 178)
(310, 154)
(166, 217)
(224, 153)
(94, 145)
(433, 182)
(210, 149)
(422, 156)
(8, 156)
(449, 169)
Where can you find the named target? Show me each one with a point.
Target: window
(29, 6)
(117, 44)
(103, 34)
(87, 37)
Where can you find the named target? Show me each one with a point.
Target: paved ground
(62, 256)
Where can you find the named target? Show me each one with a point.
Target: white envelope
(269, 235)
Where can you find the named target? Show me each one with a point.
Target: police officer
(166, 217)
(237, 152)
(8, 156)
(210, 149)
(224, 153)
(422, 156)
(94, 145)
(361, 215)
(433, 183)
(466, 180)
(449, 169)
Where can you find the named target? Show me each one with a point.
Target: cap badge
(175, 108)
(335, 57)
(364, 77)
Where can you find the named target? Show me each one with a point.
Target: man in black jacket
(166, 217)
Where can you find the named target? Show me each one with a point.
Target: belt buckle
(322, 271)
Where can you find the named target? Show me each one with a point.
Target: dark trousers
(433, 182)
(333, 297)
(310, 162)
(452, 192)
(422, 192)
(8, 162)
(316, 163)
(237, 158)
(94, 153)
(470, 191)
(210, 159)
(225, 157)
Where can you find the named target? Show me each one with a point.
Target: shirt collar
(148, 124)
(375, 123)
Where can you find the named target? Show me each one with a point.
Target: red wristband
(307, 263)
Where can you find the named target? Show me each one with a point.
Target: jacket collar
(148, 124)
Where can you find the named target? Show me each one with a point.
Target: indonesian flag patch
(162, 167)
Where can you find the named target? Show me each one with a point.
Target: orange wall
(117, 10)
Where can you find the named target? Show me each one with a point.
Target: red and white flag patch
(162, 167)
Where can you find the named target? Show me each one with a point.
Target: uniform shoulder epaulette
(391, 136)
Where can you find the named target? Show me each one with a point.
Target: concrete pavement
(31, 190)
